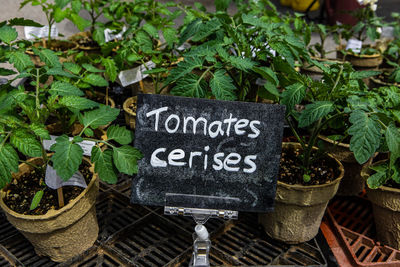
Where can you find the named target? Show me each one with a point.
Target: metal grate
(6, 229)
(94, 257)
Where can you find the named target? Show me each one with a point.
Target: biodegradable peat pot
(352, 183)
(361, 61)
(130, 115)
(60, 234)
(386, 210)
(298, 209)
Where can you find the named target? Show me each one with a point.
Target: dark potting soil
(323, 170)
(21, 192)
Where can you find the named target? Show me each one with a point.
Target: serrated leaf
(191, 86)
(314, 112)
(222, 5)
(76, 6)
(80, 22)
(125, 159)
(293, 95)
(23, 22)
(67, 157)
(376, 180)
(6, 72)
(245, 64)
(72, 67)
(267, 73)
(222, 86)
(20, 60)
(10, 100)
(88, 132)
(98, 117)
(95, 80)
(98, 36)
(36, 199)
(205, 29)
(170, 36)
(77, 103)
(183, 68)
(26, 143)
(64, 89)
(60, 72)
(8, 163)
(59, 14)
(103, 165)
(91, 68)
(62, 3)
(190, 30)
(145, 43)
(366, 136)
(47, 56)
(392, 137)
(8, 34)
(151, 30)
(120, 134)
(111, 68)
(40, 130)
(357, 75)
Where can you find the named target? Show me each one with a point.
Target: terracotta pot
(130, 116)
(360, 61)
(299, 209)
(60, 234)
(386, 210)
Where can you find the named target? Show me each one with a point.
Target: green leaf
(95, 80)
(170, 36)
(98, 36)
(151, 30)
(314, 112)
(59, 14)
(183, 68)
(267, 73)
(222, 86)
(392, 137)
(23, 22)
(103, 165)
(67, 157)
(57, 71)
(47, 56)
(376, 180)
(98, 117)
(272, 89)
(245, 64)
(8, 163)
(72, 67)
(64, 89)
(77, 103)
(111, 68)
(40, 130)
(145, 43)
(8, 34)
(10, 100)
(80, 22)
(191, 86)
(26, 143)
(21, 61)
(125, 159)
(91, 68)
(222, 5)
(76, 6)
(366, 136)
(62, 3)
(358, 75)
(206, 29)
(6, 72)
(154, 71)
(120, 134)
(293, 95)
(36, 199)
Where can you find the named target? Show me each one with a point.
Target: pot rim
(30, 52)
(305, 187)
(326, 139)
(365, 173)
(126, 103)
(342, 47)
(51, 213)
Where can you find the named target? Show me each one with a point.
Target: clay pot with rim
(360, 61)
(352, 183)
(299, 209)
(130, 115)
(60, 234)
(386, 210)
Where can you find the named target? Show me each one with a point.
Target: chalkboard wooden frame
(172, 164)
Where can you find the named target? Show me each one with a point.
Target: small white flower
(379, 30)
(373, 7)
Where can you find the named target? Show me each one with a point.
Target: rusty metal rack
(134, 235)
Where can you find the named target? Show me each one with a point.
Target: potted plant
(383, 176)
(56, 229)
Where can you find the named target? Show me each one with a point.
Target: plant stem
(37, 93)
(4, 141)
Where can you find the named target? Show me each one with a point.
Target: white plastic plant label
(40, 32)
(85, 145)
(354, 45)
(109, 34)
(131, 76)
(54, 181)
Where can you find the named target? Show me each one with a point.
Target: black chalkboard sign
(207, 153)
